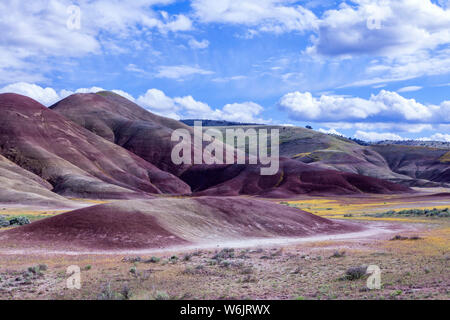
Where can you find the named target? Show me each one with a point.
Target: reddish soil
(149, 136)
(161, 223)
(416, 161)
(75, 161)
(126, 124)
(293, 178)
(96, 227)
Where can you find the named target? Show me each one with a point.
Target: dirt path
(374, 230)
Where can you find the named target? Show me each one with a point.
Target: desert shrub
(338, 254)
(133, 270)
(355, 273)
(194, 271)
(42, 267)
(161, 295)
(20, 221)
(132, 259)
(237, 264)
(173, 259)
(126, 292)
(225, 263)
(249, 279)
(197, 270)
(37, 270)
(247, 270)
(3, 222)
(187, 257)
(197, 253)
(224, 254)
(277, 253)
(396, 293)
(107, 293)
(212, 262)
(297, 270)
(441, 213)
(399, 237)
(152, 260)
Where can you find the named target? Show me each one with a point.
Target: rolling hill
(337, 153)
(160, 223)
(18, 185)
(149, 136)
(124, 123)
(417, 162)
(75, 161)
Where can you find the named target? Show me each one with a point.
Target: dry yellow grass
(301, 155)
(445, 158)
(36, 213)
(433, 242)
(90, 200)
(340, 209)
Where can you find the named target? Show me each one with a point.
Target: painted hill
(417, 162)
(73, 160)
(18, 185)
(216, 123)
(124, 123)
(292, 179)
(338, 153)
(147, 135)
(161, 223)
(416, 143)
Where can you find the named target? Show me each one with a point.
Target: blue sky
(372, 69)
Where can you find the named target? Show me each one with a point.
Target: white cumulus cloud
(34, 32)
(275, 16)
(376, 136)
(382, 27)
(48, 96)
(194, 44)
(188, 108)
(385, 106)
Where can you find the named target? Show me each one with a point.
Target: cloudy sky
(371, 69)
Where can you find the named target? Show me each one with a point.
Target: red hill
(160, 223)
(73, 160)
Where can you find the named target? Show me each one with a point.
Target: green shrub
(161, 295)
(4, 222)
(355, 273)
(152, 260)
(338, 254)
(20, 221)
(224, 254)
(133, 270)
(187, 257)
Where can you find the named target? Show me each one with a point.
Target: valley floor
(414, 266)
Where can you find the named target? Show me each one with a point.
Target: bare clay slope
(18, 185)
(73, 160)
(417, 162)
(292, 178)
(337, 153)
(160, 223)
(124, 123)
